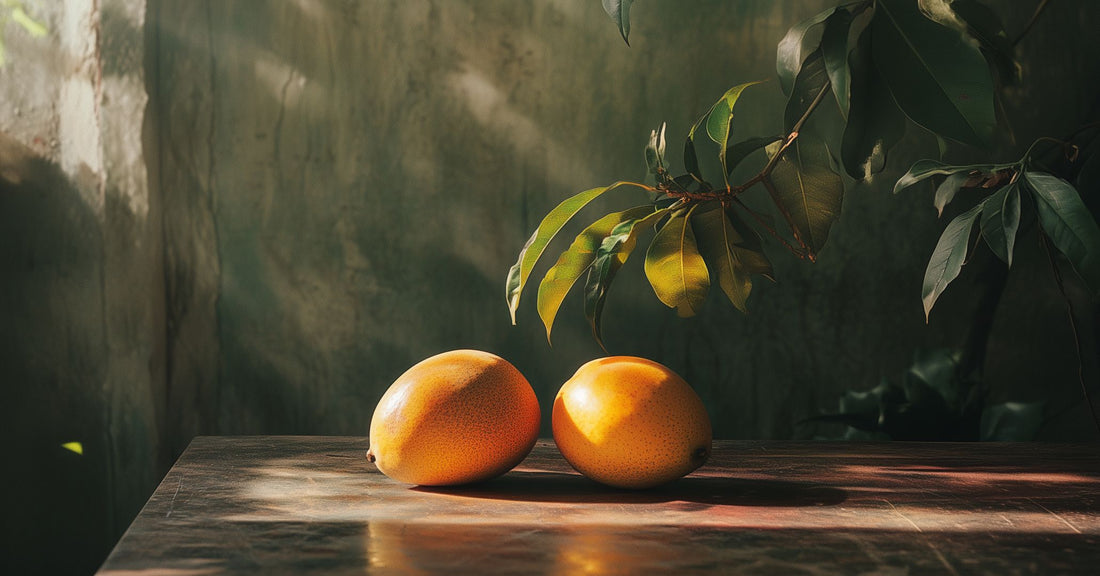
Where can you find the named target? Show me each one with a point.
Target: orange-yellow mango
(630, 423)
(458, 417)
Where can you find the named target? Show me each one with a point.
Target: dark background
(249, 217)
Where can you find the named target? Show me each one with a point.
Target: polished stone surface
(314, 505)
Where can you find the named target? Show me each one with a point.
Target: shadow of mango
(704, 491)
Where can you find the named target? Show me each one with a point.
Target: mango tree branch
(1072, 324)
(764, 224)
(1030, 23)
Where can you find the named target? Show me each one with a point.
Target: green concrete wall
(320, 193)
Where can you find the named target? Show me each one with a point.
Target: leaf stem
(763, 175)
(1030, 23)
(764, 224)
(1072, 325)
(806, 251)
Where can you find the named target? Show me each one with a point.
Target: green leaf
(948, 257)
(32, 26)
(756, 261)
(807, 189)
(610, 257)
(947, 190)
(674, 267)
(691, 160)
(720, 119)
(938, 78)
(875, 123)
(728, 259)
(736, 153)
(536, 244)
(619, 11)
(834, 51)
(74, 447)
(575, 261)
(788, 57)
(1001, 220)
(924, 169)
(1068, 223)
(655, 151)
(1011, 422)
(811, 80)
(984, 25)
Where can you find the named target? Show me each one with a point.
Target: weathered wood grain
(283, 505)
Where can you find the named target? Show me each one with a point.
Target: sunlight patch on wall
(81, 150)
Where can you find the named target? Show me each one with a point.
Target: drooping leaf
(736, 153)
(834, 52)
(788, 58)
(947, 190)
(875, 123)
(691, 159)
(924, 169)
(754, 258)
(1001, 220)
(727, 258)
(938, 78)
(720, 119)
(811, 80)
(807, 189)
(611, 255)
(619, 11)
(948, 257)
(655, 151)
(32, 26)
(551, 224)
(674, 267)
(1068, 223)
(575, 261)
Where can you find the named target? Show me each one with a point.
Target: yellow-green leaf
(554, 221)
(719, 244)
(75, 447)
(576, 260)
(611, 255)
(720, 119)
(675, 268)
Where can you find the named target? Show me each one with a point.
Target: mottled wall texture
(250, 216)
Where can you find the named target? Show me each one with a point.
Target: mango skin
(455, 418)
(631, 423)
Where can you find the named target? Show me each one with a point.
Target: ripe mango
(630, 423)
(458, 417)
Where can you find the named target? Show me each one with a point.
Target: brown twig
(764, 224)
(808, 252)
(1072, 325)
(1030, 23)
(764, 177)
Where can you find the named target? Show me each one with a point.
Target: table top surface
(311, 505)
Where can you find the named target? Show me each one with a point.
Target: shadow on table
(708, 491)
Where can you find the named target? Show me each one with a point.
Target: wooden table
(314, 505)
